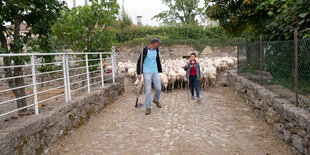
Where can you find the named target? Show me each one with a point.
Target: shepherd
(193, 69)
(151, 67)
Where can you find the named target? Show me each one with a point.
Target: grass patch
(288, 83)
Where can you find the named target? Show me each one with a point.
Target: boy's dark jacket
(187, 69)
(145, 49)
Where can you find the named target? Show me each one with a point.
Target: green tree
(124, 19)
(291, 14)
(275, 18)
(237, 16)
(87, 28)
(180, 11)
(38, 16)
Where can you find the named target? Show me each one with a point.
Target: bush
(193, 35)
(176, 32)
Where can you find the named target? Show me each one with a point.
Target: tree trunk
(20, 92)
(18, 71)
(17, 82)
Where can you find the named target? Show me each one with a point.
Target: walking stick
(140, 88)
(187, 82)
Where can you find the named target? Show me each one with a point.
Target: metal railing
(75, 72)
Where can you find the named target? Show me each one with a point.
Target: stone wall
(290, 124)
(124, 54)
(34, 134)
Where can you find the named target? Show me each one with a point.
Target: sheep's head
(166, 84)
(169, 77)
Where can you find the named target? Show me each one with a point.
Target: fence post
(34, 82)
(261, 58)
(113, 63)
(68, 77)
(87, 74)
(101, 68)
(65, 76)
(246, 49)
(296, 67)
(238, 57)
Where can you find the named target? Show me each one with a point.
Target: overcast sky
(145, 8)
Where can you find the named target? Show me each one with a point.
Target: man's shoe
(157, 104)
(148, 111)
(198, 99)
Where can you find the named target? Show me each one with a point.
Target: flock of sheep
(173, 74)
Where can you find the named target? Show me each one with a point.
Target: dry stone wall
(290, 124)
(34, 134)
(174, 52)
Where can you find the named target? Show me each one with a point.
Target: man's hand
(199, 79)
(186, 64)
(139, 77)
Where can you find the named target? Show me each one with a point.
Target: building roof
(22, 27)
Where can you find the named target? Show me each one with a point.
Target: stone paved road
(221, 124)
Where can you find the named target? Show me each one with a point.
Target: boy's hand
(199, 79)
(186, 64)
(139, 77)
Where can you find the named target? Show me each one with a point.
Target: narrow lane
(222, 123)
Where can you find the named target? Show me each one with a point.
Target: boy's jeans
(148, 78)
(193, 81)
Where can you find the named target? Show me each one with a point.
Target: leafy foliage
(292, 14)
(87, 28)
(38, 16)
(180, 11)
(275, 18)
(124, 20)
(193, 35)
(238, 16)
(172, 32)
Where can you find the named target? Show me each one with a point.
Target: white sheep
(164, 81)
(211, 71)
(131, 72)
(139, 84)
(181, 77)
(174, 73)
(172, 78)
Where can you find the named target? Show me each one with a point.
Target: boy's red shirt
(193, 68)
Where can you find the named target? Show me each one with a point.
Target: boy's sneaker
(192, 98)
(148, 111)
(198, 99)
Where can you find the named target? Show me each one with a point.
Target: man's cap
(155, 40)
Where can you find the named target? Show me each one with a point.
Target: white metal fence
(76, 72)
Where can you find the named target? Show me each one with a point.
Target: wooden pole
(140, 87)
(296, 67)
(238, 57)
(261, 58)
(247, 49)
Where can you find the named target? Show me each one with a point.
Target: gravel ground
(220, 124)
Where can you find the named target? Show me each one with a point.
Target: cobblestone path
(221, 124)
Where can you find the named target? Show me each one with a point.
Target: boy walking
(193, 69)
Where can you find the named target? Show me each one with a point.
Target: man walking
(151, 67)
